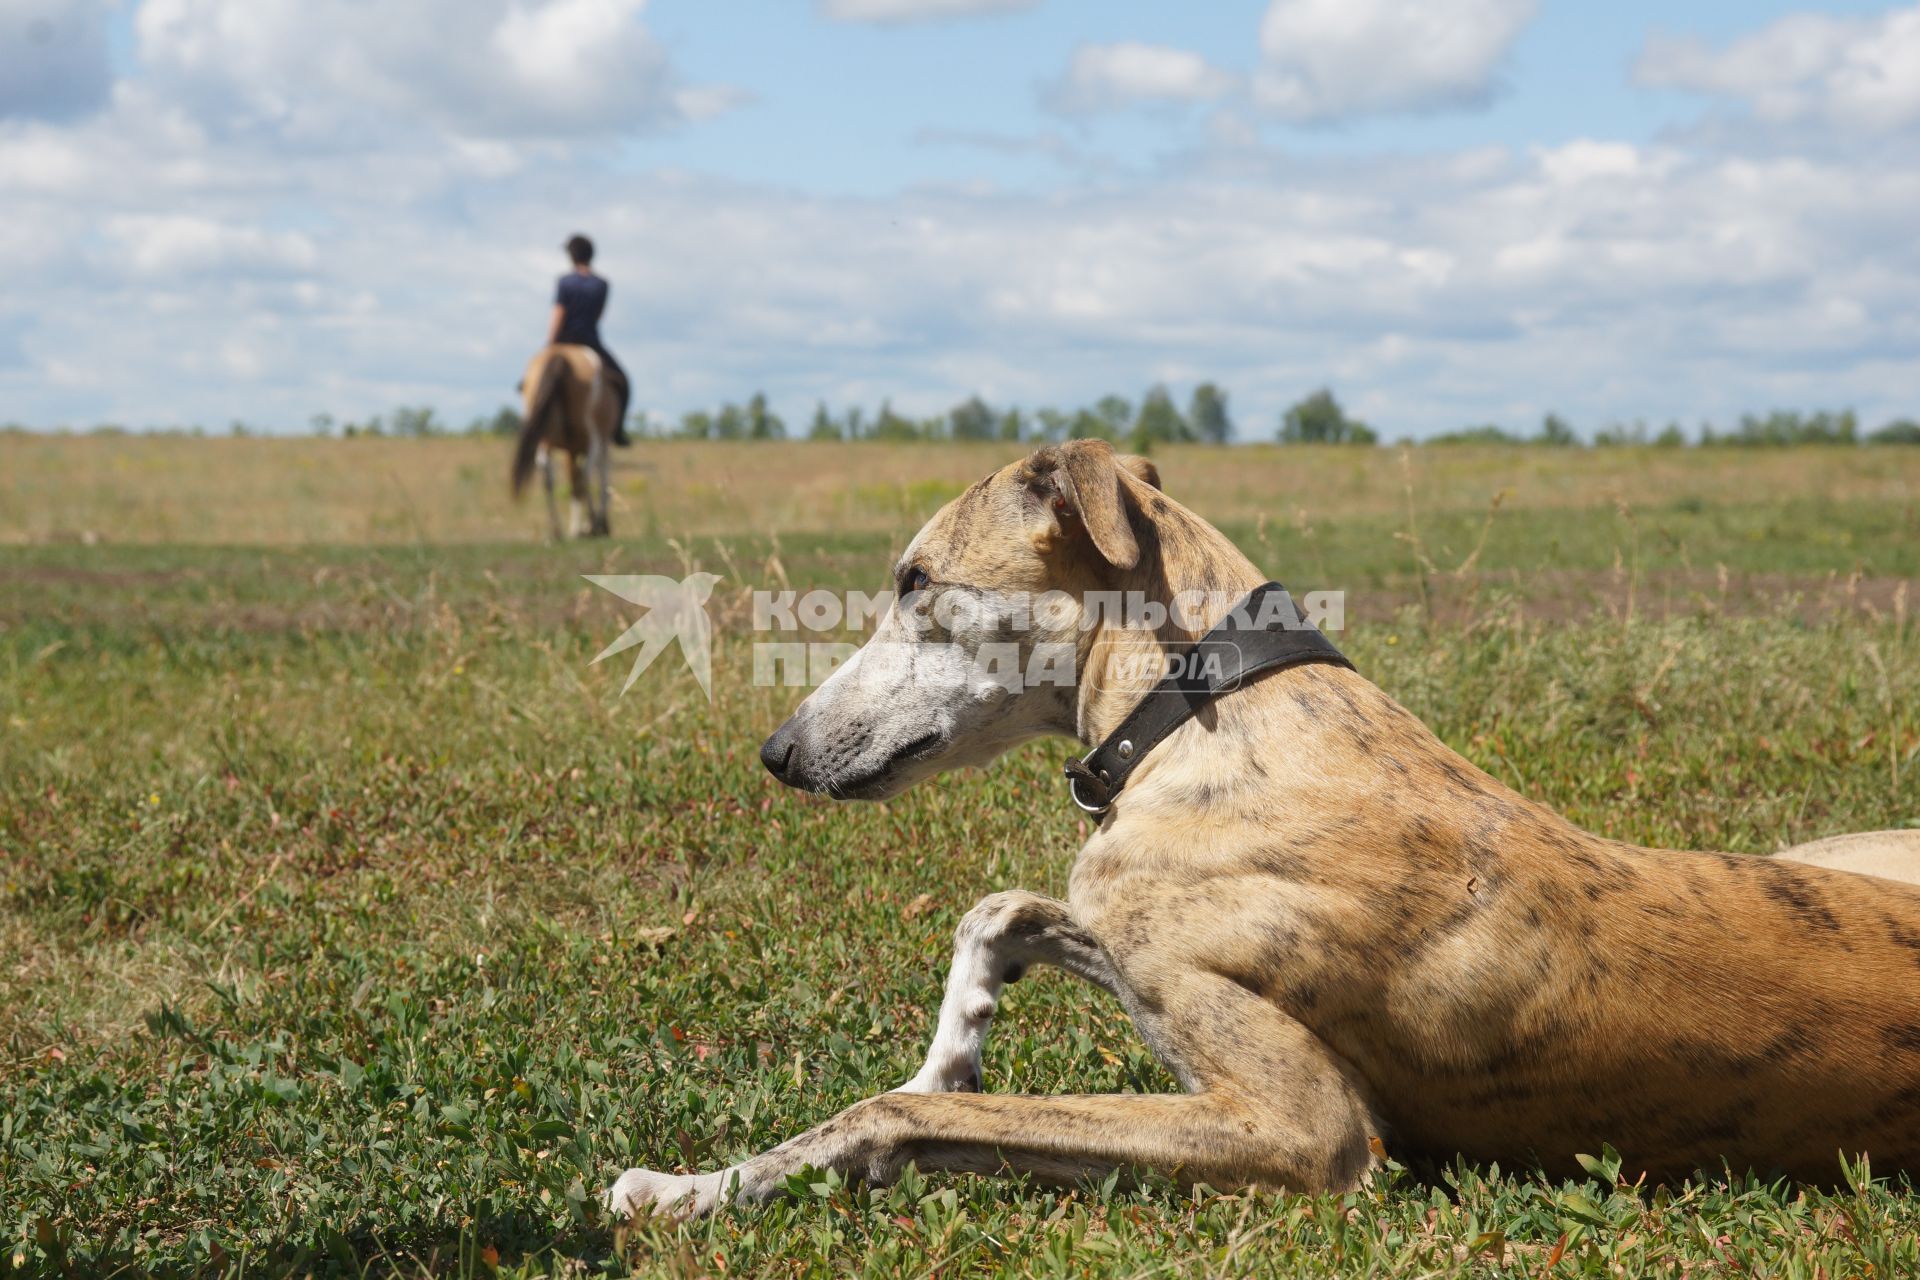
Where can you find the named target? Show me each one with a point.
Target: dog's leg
(1274, 1107)
(996, 942)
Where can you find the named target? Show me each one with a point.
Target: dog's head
(979, 649)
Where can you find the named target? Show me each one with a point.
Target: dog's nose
(777, 751)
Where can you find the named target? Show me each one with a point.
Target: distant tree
(1207, 414)
(823, 427)
(1672, 436)
(1899, 431)
(1622, 435)
(1158, 422)
(321, 424)
(971, 419)
(1091, 424)
(1053, 424)
(1557, 432)
(415, 422)
(730, 423)
(1013, 425)
(1784, 427)
(1319, 419)
(506, 421)
(856, 422)
(762, 422)
(695, 424)
(891, 426)
(1116, 413)
(1485, 433)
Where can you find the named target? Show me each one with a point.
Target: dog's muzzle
(776, 753)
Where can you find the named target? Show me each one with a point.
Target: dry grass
(150, 490)
(351, 922)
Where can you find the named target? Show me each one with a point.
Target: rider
(577, 305)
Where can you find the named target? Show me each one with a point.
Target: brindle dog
(1342, 937)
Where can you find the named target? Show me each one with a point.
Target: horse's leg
(546, 478)
(577, 480)
(599, 464)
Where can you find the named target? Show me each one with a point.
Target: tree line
(1779, 428)
(1157, 419)
(1317, 418)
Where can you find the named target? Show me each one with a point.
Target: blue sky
(1451, 211)
(874, 91)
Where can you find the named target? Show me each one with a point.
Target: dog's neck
(1182, 557)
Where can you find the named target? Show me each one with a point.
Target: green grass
(350, 923)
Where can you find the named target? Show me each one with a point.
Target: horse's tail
(548, 386)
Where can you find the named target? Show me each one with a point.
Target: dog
(1341, 937)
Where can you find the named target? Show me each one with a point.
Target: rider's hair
(580, 249)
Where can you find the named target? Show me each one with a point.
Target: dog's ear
(1140, 469)
(1081, 483)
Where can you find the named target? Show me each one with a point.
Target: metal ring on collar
(1073, 789)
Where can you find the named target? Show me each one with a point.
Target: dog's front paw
(638, 1192)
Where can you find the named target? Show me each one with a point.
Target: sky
(1449, 211)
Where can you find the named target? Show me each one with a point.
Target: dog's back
(1891, 855)
(1717, 1007)
(1513, 988)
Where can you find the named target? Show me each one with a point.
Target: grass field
(351, 924)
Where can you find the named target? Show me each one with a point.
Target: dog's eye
(915, 580)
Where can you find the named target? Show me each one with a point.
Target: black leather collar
(1264, 632)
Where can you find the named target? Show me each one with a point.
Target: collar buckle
(1080, 774)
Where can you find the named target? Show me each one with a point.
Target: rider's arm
(553, 326)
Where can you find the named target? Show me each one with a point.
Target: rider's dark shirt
(583, 297)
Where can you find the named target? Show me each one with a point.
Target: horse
(572, 404)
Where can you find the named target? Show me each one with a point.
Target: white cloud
(1854, 73)
(169, 245)
(53, 58)
(325, 71)
(547, 51)
(1597, 277)
(40, 161)
(900, 11)
(1325, 60)
(1103, 77)
(1584, 159)
(165, 263)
